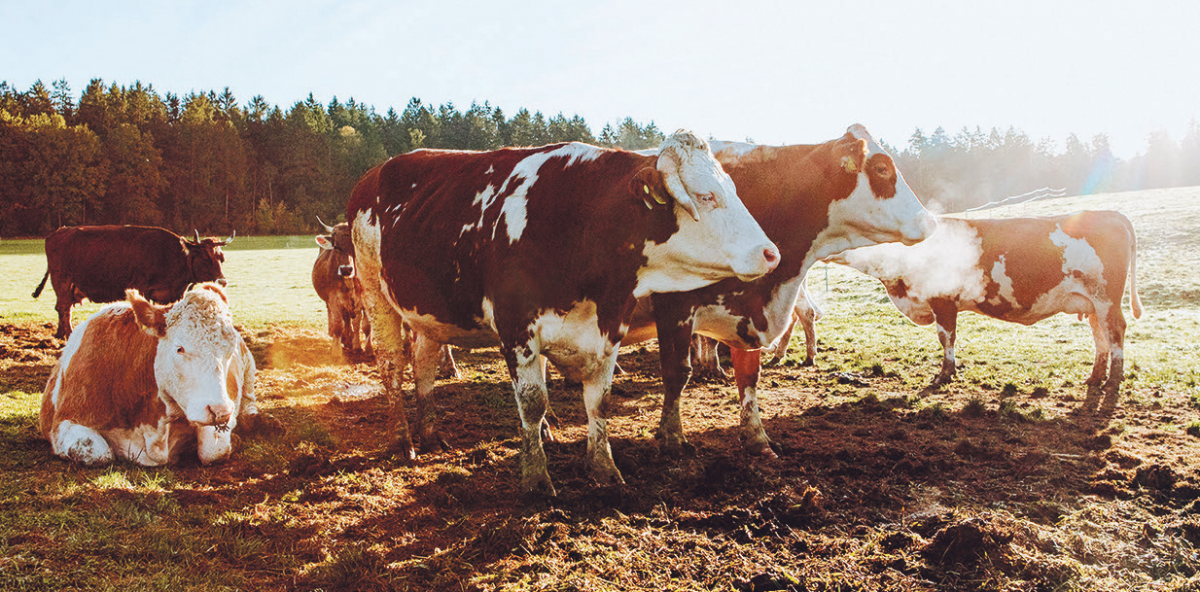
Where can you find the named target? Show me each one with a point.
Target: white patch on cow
(573, 341)
(1078, 255)
(213, 445)
(491, 170)
(731, 150)
(863, 220)
(489, 313)
(1000, 276)
(523, 176)
(72, 347)
(945, 264)
(434, 329)
(483, 200)
(194, 359)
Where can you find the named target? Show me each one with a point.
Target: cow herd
(561, 253)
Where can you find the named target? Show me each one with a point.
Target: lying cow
(337, 285)
(100, 262)
(1021, 270)
(147, 383)
(814, 201)
(543, 250)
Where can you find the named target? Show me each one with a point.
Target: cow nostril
(223, 282)
(219, 414)
(771, 254)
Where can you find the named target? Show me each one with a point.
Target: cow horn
(228, 240)
(197, 234)
(327, 227)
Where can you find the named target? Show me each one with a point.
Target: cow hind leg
(945, 314)
(80, 444)
(66, 299)
(425, 367)
(596, 388)
(1116, 372)
(392, 358)
(1100, 334)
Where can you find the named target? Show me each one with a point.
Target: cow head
(196, 345)
(881, 207)
(205, 258)
(339, 242)
(717, 236)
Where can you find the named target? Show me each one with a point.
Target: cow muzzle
(346, 271)
(762, 261)
(222, 282)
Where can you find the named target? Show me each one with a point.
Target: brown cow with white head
(336, 283)
(1020, 270)
(145, 382)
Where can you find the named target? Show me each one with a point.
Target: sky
(772, 72)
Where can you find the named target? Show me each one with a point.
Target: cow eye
(709, 199)
(179, 349)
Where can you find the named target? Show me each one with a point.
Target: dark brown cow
(544, 250)
(334, 279)
(1021, 270)
(100, 262)
(813, 201)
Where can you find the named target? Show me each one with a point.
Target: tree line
(129, 155)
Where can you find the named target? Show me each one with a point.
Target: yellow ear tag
(848, 164)
(658, 198)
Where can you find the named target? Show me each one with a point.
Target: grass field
(996, 482)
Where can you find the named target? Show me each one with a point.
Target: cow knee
(82, 444)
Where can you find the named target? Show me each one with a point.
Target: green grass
(270, 283)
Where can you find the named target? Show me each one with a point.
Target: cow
(148, 383)
(705, 361)
(813, 201)
(1020, 270)
(544, 251)
(100, 262)
(334, 279)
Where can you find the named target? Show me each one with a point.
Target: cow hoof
(547, 433)
(808, 362)
(675, 443)
(607, 476)
(537, 486)
(763, 450)
(434, 444)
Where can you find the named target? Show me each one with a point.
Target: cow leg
(392, 358)
(446, 366)
(674, 351)
(80, 444)
(65, 299)
(368, 346)
(945, 314)
(529, 386)
(705, 358)
(1116, 341)
(808, 319)
(596, 388)
(781, 346)
(353, 320)
(1100, 334)
(746, 365)
(425, 367)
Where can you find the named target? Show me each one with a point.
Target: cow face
(340, 244)
(717, 236)
(882, 208)
(196, 346)
(205, 258)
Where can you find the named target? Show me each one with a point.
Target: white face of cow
(196, 346)
(881, 209)
(717, 236)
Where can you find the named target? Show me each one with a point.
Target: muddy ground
(875, 487)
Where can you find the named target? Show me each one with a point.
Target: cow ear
(850, 155)
(150, 317)
(324, 243)
(648, 185)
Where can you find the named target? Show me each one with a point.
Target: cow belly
(448, 333)
(574, 341)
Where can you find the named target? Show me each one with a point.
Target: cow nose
(771, 256)
(346, 271)
(223, 282)
(219, 414)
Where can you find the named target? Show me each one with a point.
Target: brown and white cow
(100, 262)
(1021, 270)
(813, 201)
(705, 361)
(334, 279)
(147, 383)
(545, 251)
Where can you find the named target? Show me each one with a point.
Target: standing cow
(545, 250)
(100, 262)
(1020, 270)
(334, 279)
(147, 383)
(813, 201)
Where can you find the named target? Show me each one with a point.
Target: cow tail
(1135, 301)
(38, 291)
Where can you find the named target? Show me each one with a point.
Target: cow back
(103, 261)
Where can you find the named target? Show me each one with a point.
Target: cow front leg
(596, 388)
(529, 386)
(1116, 371)
(781, 347)
(746, 365)
(446, 366)
(80, 444)
(706, 358)
(674, 347)
(425, 368)
(213, 445)
(945, 315)
(63, 306)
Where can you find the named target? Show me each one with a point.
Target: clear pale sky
(774, 72)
